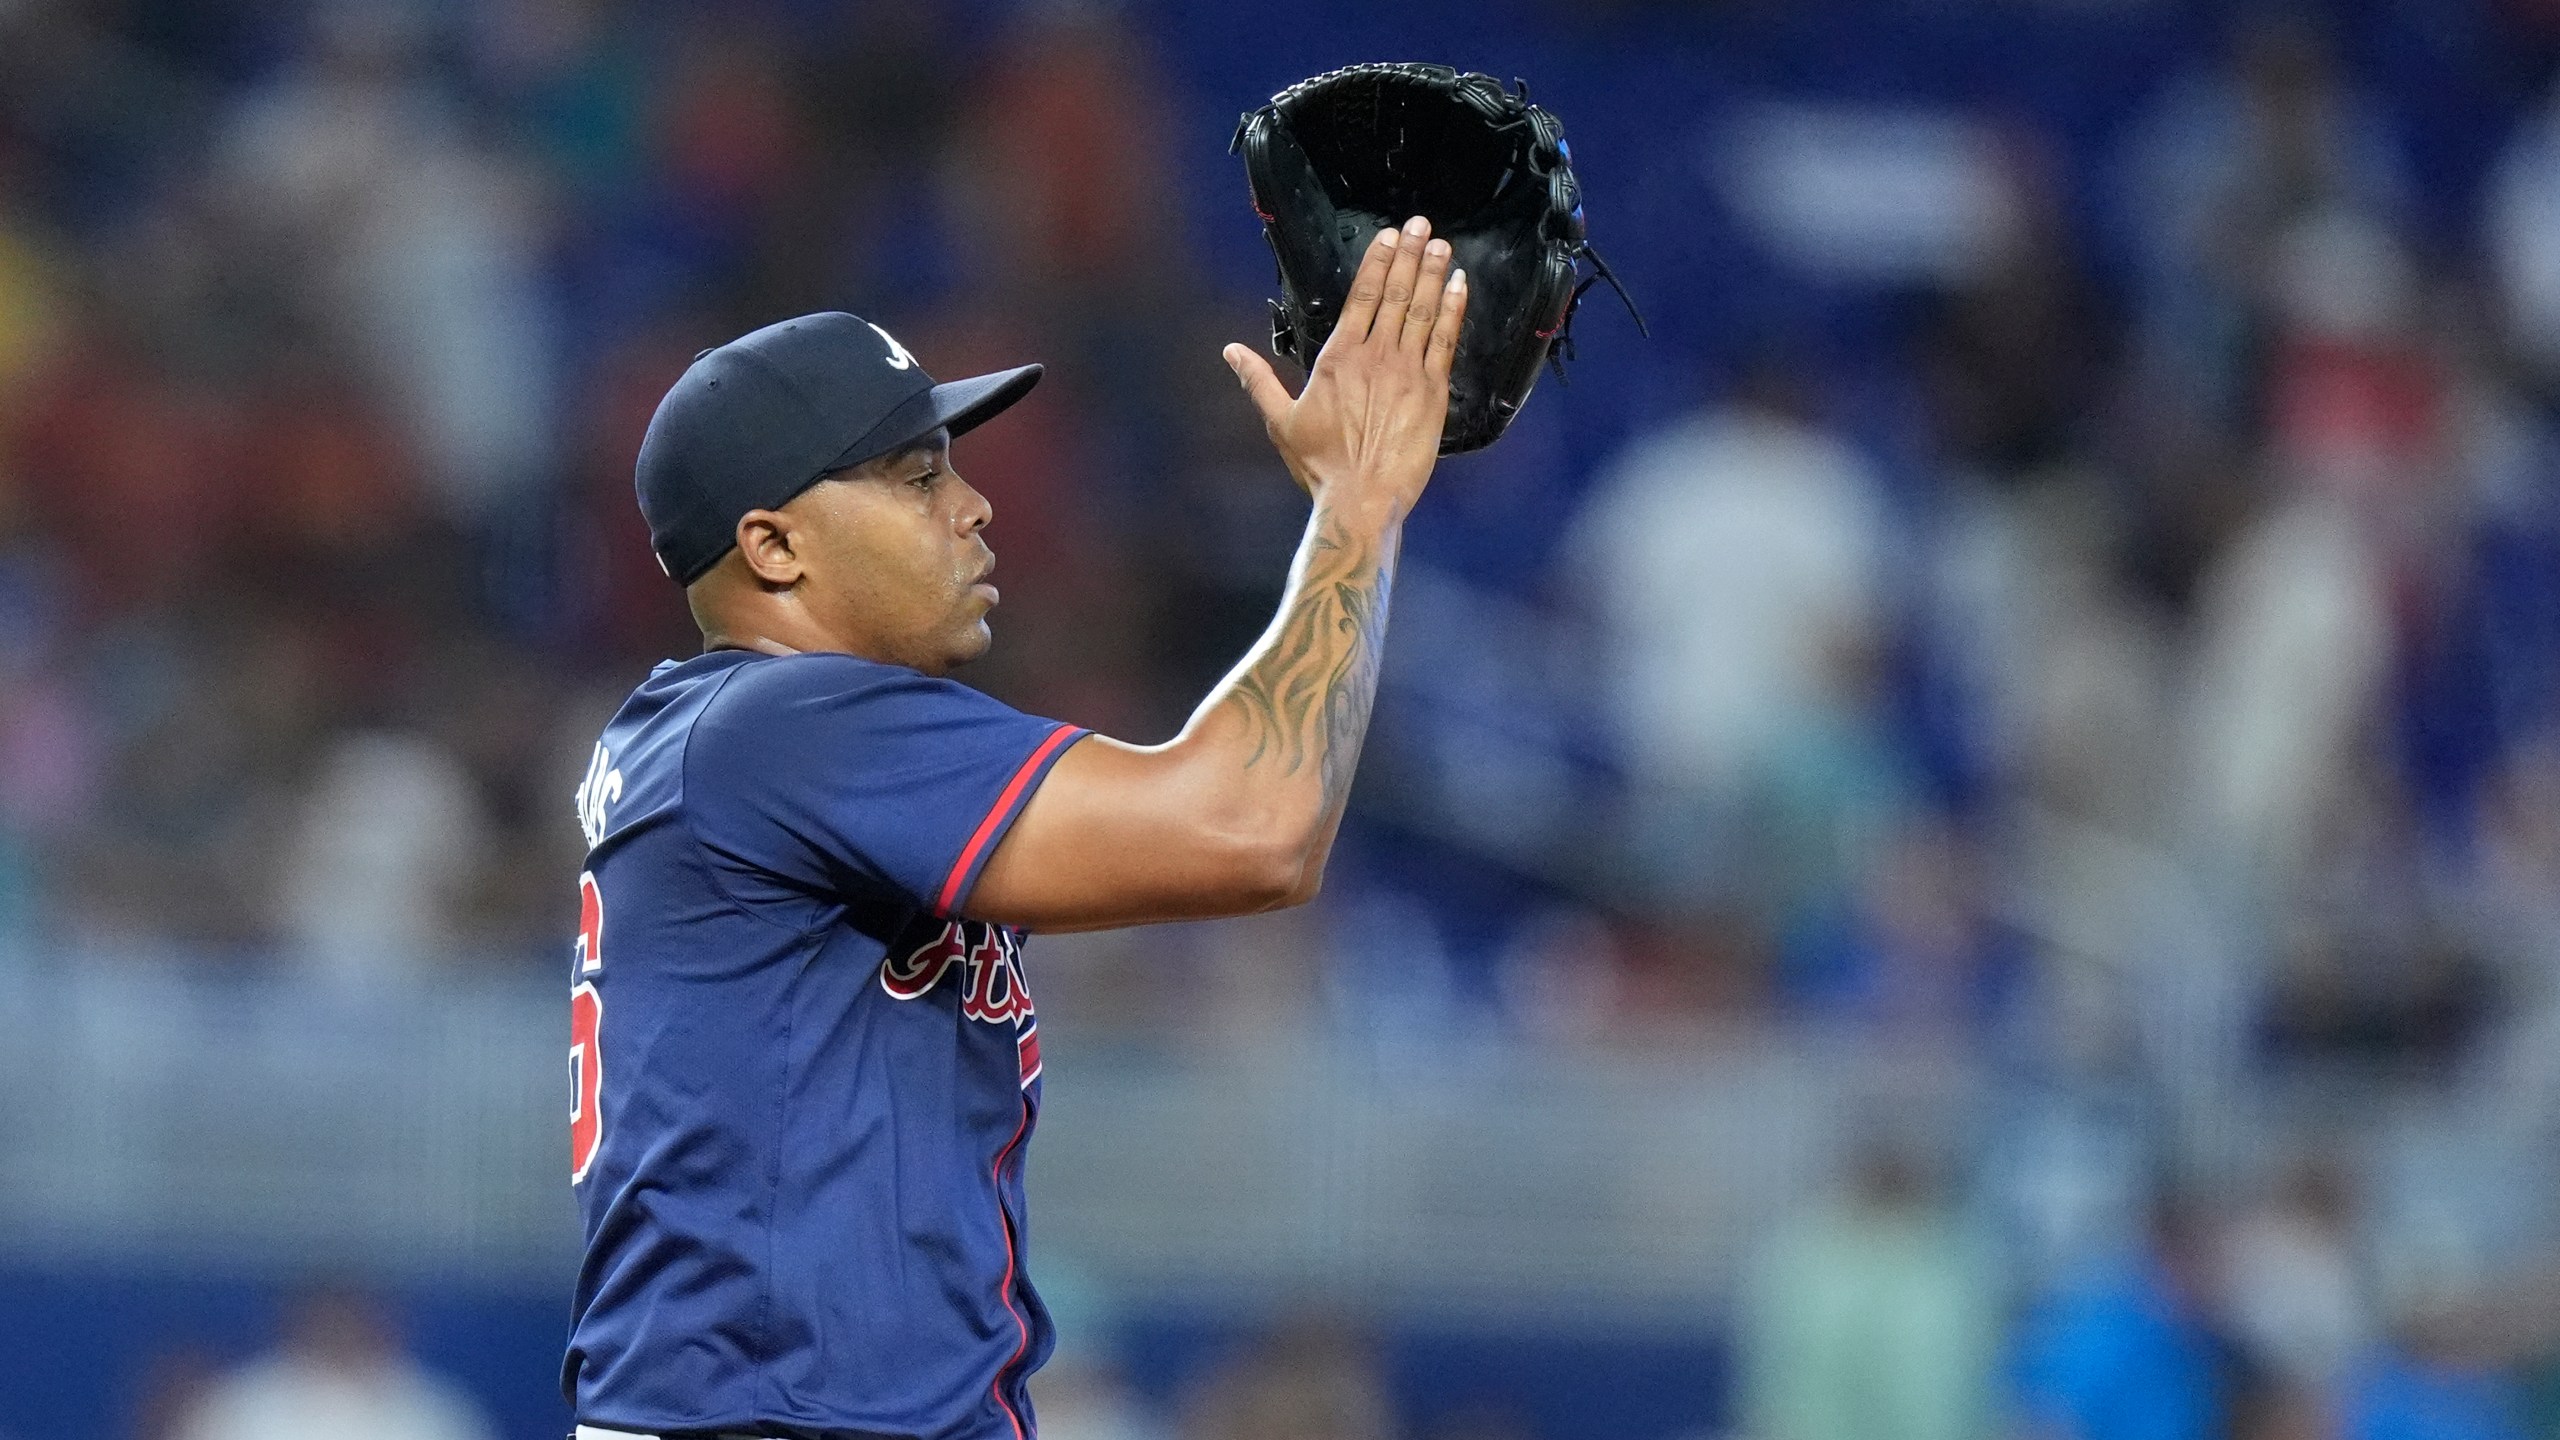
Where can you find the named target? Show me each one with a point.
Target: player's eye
(927, 478)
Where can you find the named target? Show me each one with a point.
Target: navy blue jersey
(802, 1086)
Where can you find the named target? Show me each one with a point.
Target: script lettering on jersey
(989, 956)
(601, 788)
(989, 961)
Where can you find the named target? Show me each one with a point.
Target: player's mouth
(980, 583)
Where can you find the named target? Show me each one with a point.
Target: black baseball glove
(1335, 159)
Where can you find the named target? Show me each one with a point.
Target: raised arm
(1237, 813)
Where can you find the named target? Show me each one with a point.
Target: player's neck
(768, 626)
(796, 641)
(771, 623)
(760, 644)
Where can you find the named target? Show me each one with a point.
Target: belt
(599, 1432)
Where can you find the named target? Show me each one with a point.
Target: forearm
(1287, 723)
(1237, 813)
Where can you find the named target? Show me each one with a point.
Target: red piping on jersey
(1004, 806)
(996, 1388)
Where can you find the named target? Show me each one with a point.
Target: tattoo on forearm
(1308, 695)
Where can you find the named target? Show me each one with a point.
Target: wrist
(1371, 508)
(1364, 492)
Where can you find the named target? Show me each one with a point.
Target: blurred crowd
(2122, 665)
(327, 335)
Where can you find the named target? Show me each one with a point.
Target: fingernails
(1457, 280)
(1436, 249)
(1387, 238)
(1417, 227)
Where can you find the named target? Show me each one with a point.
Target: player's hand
(1370, 417)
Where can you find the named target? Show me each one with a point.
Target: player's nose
(975, 512)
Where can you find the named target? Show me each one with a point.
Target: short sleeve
(836, 773)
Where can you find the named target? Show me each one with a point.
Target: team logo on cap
(899, 359)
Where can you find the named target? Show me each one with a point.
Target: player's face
(896, 563)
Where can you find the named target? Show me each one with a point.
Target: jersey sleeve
(835, 773)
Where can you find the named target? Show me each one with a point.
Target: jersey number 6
(586, 1018)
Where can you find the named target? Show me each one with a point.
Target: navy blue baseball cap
(752, 423)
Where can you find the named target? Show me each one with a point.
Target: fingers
(1401, 277)
(1425, 306)
(1254, 373)
(1367, 286)
(1443, 352)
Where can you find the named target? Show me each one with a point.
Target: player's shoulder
(768, 705)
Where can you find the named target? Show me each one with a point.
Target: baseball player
(804, 1052)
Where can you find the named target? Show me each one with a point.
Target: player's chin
(970, 641)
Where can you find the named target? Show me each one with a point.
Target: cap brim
(958, 406)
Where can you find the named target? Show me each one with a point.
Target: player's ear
(768, 542)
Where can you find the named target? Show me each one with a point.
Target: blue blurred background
(1962, 845)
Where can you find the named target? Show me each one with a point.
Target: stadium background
(1965, 842)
